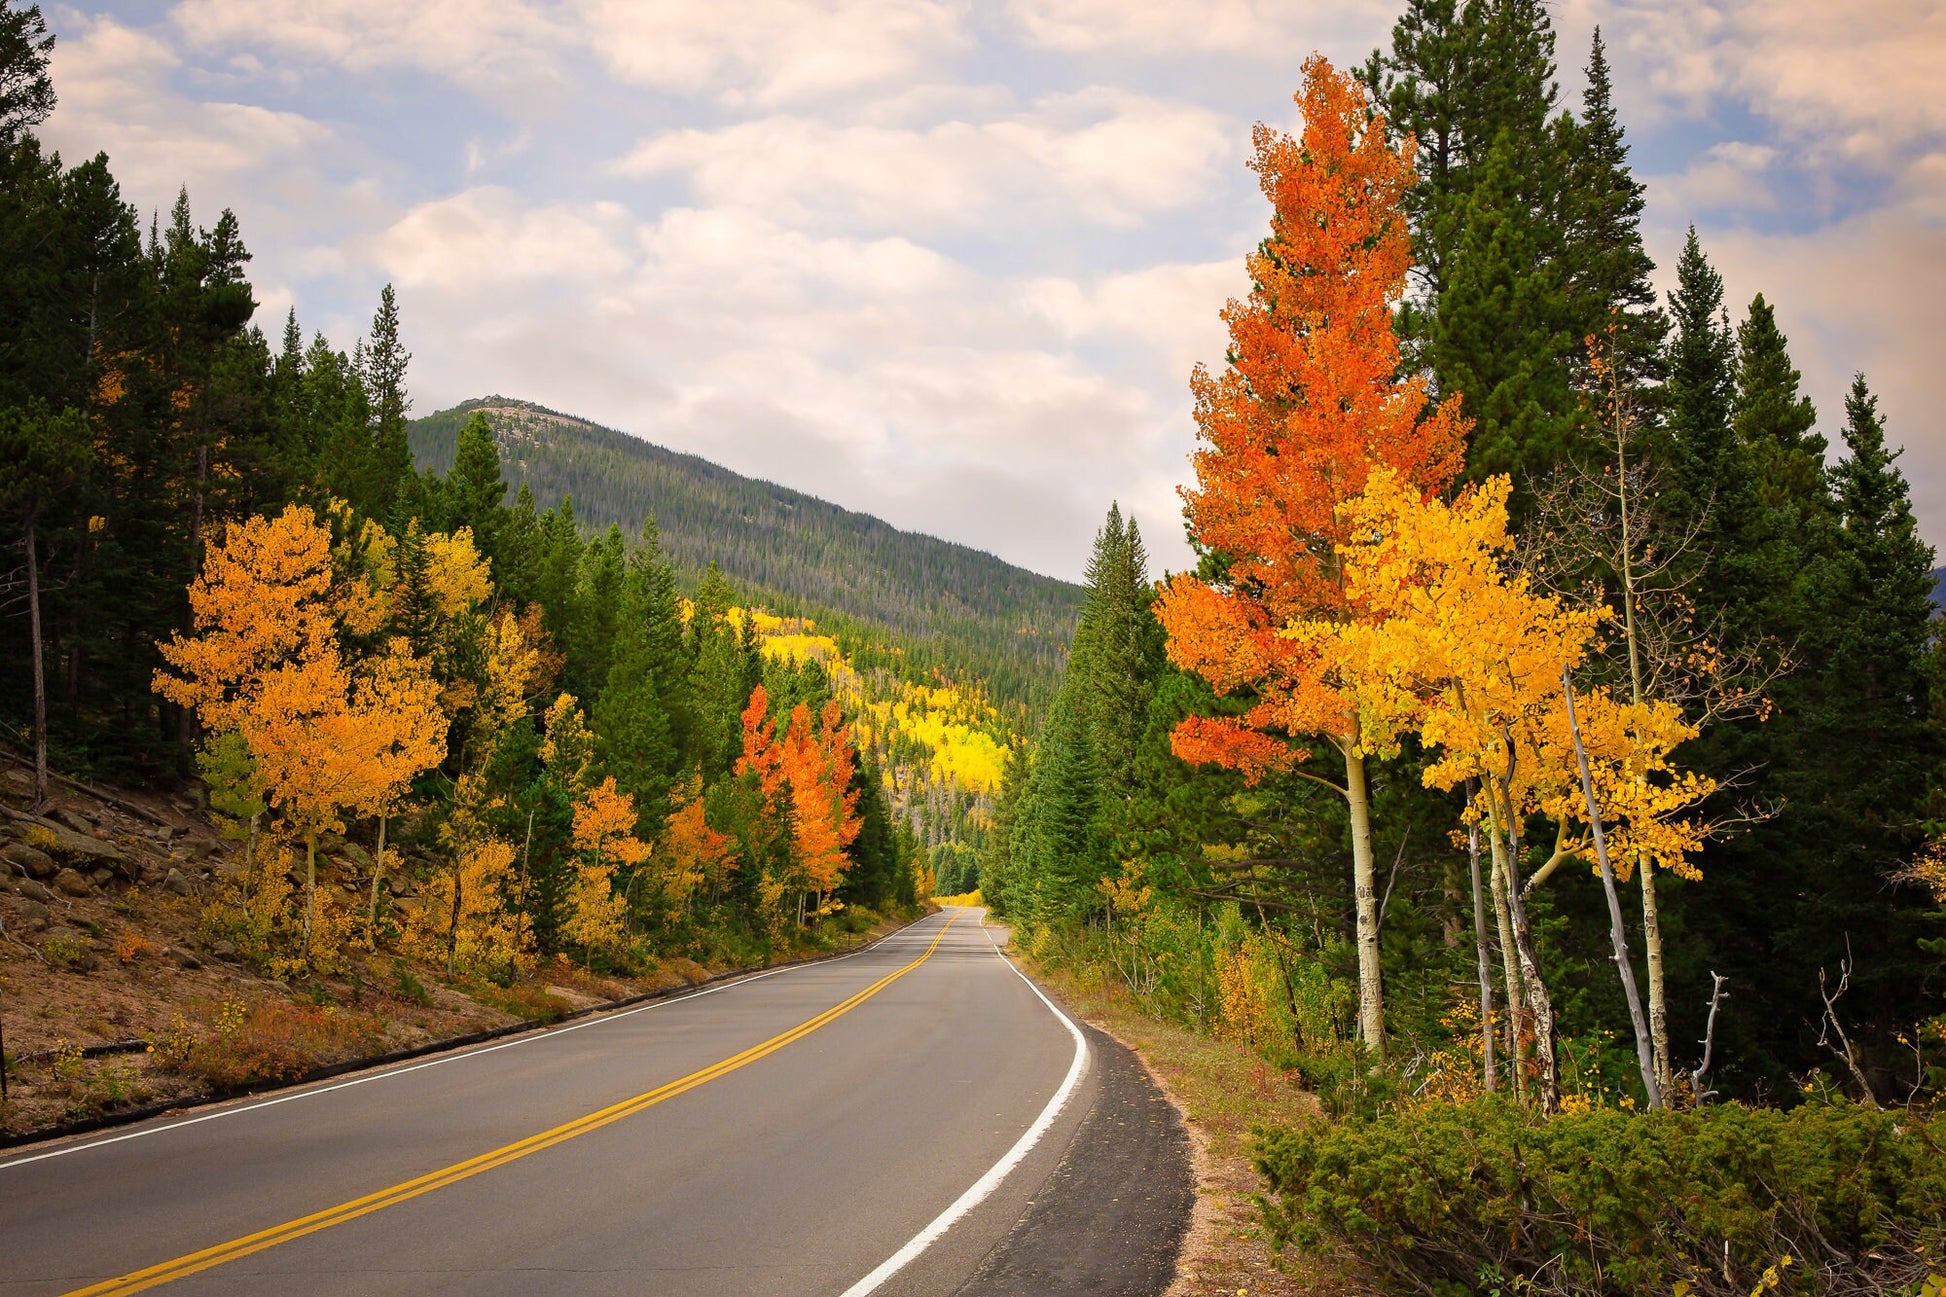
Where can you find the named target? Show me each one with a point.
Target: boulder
(163, 833)
(78, 848)
(75, 820)
(70, 948)
(72, 883)
(223, 949)
(178, 883)
(36, 862)
(103, 877)
(184, 958)
(35, 891)
(38, 919)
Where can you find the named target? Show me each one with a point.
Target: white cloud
(481, 43)
(1254, 29)
(1110, 157)
(1731, 176)
(771, 52)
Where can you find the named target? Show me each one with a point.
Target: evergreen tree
(384, 373)
(1500, 337)
(26, 91)
(474, 493)
(1607, 270)
(638, 719)
(1701, 387)
(1775, 423)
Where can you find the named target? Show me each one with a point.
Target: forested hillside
(936, 605)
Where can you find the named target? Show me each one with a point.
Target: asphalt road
(914, 1119)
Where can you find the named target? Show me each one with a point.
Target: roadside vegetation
(1540, 768)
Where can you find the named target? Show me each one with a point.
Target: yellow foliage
(485, 933)
(512, 666)
(458, 578)
(604, 833)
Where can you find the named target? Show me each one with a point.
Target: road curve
(882, 1123)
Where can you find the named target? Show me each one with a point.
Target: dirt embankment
(114, 996)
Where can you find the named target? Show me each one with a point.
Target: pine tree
(26, 91)
(474, 493)
(1776, 423)
(384, 373)
(638, 719)
(1701, 387)
(1500, 336)
(1607, 270)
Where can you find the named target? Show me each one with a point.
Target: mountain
(937, 605)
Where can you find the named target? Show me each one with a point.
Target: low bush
(529, 1003)
(268, 1040)
(1829, 1198)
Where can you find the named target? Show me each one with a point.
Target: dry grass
(1223, 1092)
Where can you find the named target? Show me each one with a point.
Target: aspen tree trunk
(1658, 985)
(1538, 1003)
(1489, 1079)
(310, 887)
(378, 873)
(1651, 915)
(452, 925)
(1371, 993)
(40, 679)
(1510, 968)
(1644, 1052)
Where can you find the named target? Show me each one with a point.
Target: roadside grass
(1224, 1092)
(239, 1042)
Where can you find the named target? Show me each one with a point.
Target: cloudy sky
(947, 262)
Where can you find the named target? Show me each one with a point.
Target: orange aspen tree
(818, 766)
(694, 855)
(1311, 399)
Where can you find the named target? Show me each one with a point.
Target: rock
(68, 881)
(75, 820)
(103, 877)
(36, 862)
(79, 847)
(164, 833)
(70, 949)
(225, 950)
(184, 958)
(38, 918)
(35, 891)
(176, 882)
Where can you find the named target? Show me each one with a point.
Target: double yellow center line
(184, 1266)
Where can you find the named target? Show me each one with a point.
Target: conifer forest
(1542, 764)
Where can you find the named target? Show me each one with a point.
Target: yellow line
(184, 1266)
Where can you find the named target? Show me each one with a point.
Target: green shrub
(1484, 1197)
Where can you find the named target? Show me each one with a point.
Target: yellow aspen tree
(468, 914)
(266, 664)
(399, 688)
(1479, 653)
(604, 834)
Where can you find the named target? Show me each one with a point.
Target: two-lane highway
(871, 1124)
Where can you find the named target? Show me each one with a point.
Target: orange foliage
(1311, 402)
(694, 853)
(813, 765)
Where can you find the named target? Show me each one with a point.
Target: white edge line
(460, 1055)
(999, 1171)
